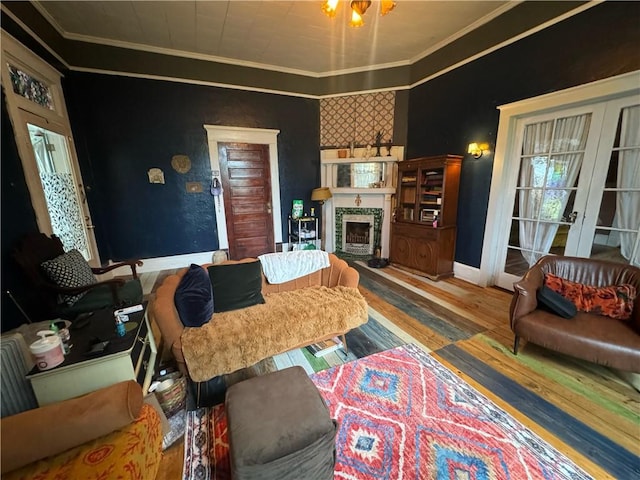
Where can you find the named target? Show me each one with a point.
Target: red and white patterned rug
(402, 415)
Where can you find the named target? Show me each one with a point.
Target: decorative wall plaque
(155, 175)
(181, 163)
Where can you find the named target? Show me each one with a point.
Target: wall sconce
(477, 149)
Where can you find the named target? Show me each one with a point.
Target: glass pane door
(613, 232)
(61, 191)
(551, 158)
(578, 188)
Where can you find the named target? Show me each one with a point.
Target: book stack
(320, 349)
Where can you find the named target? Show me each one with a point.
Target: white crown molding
(263, 66)
(6, 11)
(206, 57)
(410, 62)
(481, 21)
(192, 82)
(525, 34)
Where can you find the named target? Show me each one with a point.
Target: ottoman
(279, 428)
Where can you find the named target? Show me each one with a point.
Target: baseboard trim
(175, 261)
(468, 273)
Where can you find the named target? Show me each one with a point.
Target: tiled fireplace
(357, 218)
(358, 235)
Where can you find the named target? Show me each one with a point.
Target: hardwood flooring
(586, 411)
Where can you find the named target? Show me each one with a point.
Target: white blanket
(282, 267)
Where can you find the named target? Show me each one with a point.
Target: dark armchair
(37, 248)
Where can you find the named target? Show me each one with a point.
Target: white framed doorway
(37, 110)
(518, 227)
(224, 134)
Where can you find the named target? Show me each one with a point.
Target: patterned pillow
(615, 301)
(69, 270)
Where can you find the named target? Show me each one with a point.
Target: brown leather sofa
(595, 338)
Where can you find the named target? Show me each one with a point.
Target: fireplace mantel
(373, 197)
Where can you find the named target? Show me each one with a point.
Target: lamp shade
(320, 194)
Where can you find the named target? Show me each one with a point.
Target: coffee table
(131, 357)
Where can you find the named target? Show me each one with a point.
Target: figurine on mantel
(378, 143)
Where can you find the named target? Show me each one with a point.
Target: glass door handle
(88, 224)
(268, 207)
(573, 216)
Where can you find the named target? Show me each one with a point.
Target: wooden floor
(589, 413)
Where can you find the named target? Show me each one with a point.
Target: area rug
(402, 415)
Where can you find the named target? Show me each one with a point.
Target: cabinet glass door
(431, 181)
(407, 195)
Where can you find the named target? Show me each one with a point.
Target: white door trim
(259, 136)
(21, 111)
(503, 166)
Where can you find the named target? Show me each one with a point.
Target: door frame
(504, 166)
(260, 136)
(22, 111)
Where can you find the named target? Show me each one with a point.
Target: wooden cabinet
(423, 231)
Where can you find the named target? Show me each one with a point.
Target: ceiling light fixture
(358, 9)
(330, 7)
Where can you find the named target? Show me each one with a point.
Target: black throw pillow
(556, 303)
(236, 285)
(194, 298)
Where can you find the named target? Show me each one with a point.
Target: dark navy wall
(125, 126)
(18, 217)
(450, 111)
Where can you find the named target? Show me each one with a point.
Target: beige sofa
(297, 313)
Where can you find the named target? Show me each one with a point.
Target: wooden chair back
(33, 249)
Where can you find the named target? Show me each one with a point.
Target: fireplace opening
(357, 234)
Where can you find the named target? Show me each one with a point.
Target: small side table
(131, 357)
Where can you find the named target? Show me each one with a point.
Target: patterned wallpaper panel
(356, 118)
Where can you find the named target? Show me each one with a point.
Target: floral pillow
(615, 301)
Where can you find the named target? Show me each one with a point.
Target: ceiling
(287, 36)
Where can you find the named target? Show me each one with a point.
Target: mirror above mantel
(360, 174)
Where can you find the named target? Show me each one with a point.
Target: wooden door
(246, 183)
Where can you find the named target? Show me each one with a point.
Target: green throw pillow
(236, 285)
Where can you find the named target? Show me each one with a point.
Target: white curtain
(628, 202)
(550, 167)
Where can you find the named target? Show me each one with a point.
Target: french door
(576, 190)
(58, 186)
(43, 136)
